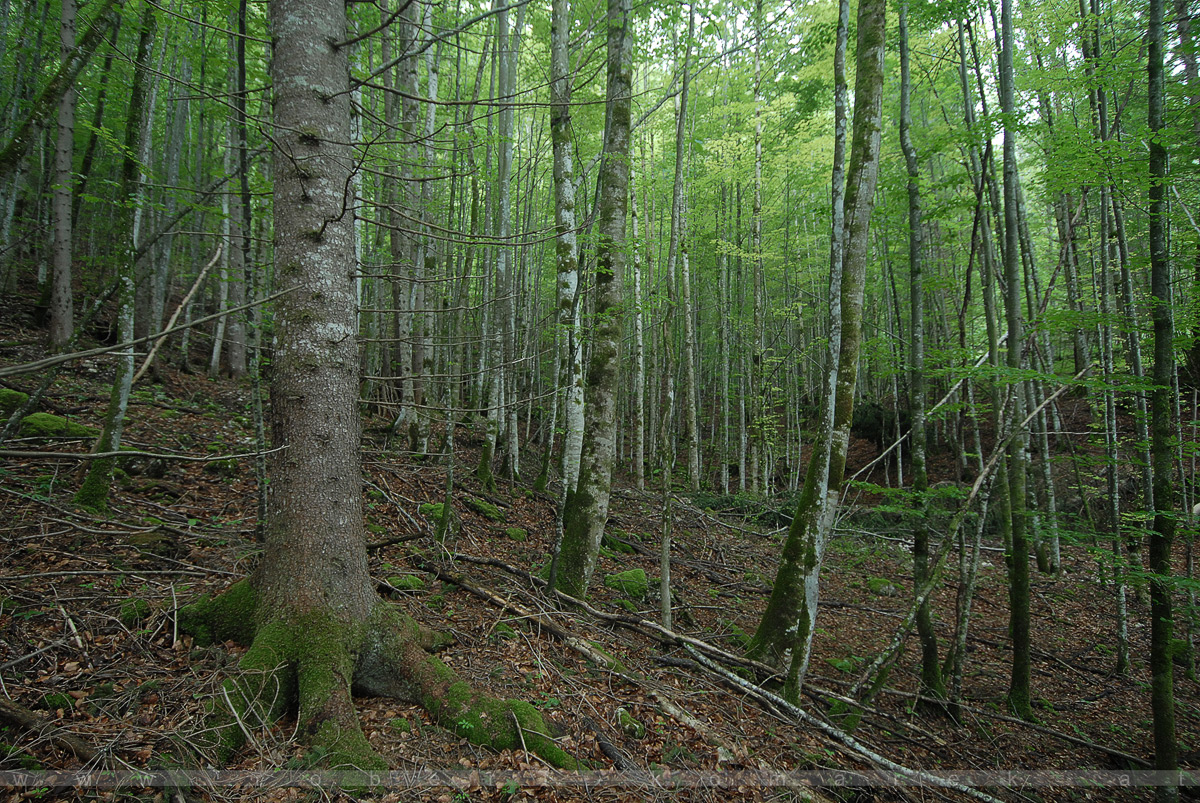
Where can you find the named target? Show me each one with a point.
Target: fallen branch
(22, 717)
(1141, 762)
(585, 649)
(836, 733)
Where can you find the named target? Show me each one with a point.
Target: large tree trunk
(586, 509)
(785, 634)
(315, 625)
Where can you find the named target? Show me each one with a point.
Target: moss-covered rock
(631, 583)
(222, 468)
(57, 701)
(11, 401)
(434, 511)
(517, 534)
(632, 728)
(485, 509)
(48, 425)
(406, 582)
(882, 587)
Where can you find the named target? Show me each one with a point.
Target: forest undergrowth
(89, 644)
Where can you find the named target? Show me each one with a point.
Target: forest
(415, 400)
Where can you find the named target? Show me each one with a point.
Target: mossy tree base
(310, 663)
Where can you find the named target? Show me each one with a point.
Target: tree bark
(785, 634)
(62, 310)
(1162, 684)
(1018, 693)
(931, 675)
(586, 509)
(315, 626)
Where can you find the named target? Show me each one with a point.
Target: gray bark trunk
(586, 510)
(62, 311)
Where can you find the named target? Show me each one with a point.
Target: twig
(171, 323)
(585, 649)
(132, 453)
(34, 654)
(101, 573)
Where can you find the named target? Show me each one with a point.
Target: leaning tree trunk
(785, 634)
(310, 613)
(586, 509)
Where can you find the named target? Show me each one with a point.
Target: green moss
(631, 583)
(882, 587)
(503, 631)
(485, 509)
(11, 401)
(631, 727)
(517, 534)
(434, 511)
(57, 700)
(611, 662)
(134, 611)
(48, 425)
(406, 582)
(93, 493)
(225, 617)
(616, 545)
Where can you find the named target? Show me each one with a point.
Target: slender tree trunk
(93, 494)
(1018, 694)
(586, 509)
(639, 347)
(62, 310)
(570, 346)
(931, 676)
(785, 633)
(1162, 685)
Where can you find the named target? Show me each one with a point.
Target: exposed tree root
(309, 663)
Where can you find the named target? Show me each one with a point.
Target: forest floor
(88, 641)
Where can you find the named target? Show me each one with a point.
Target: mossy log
(310, 663)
